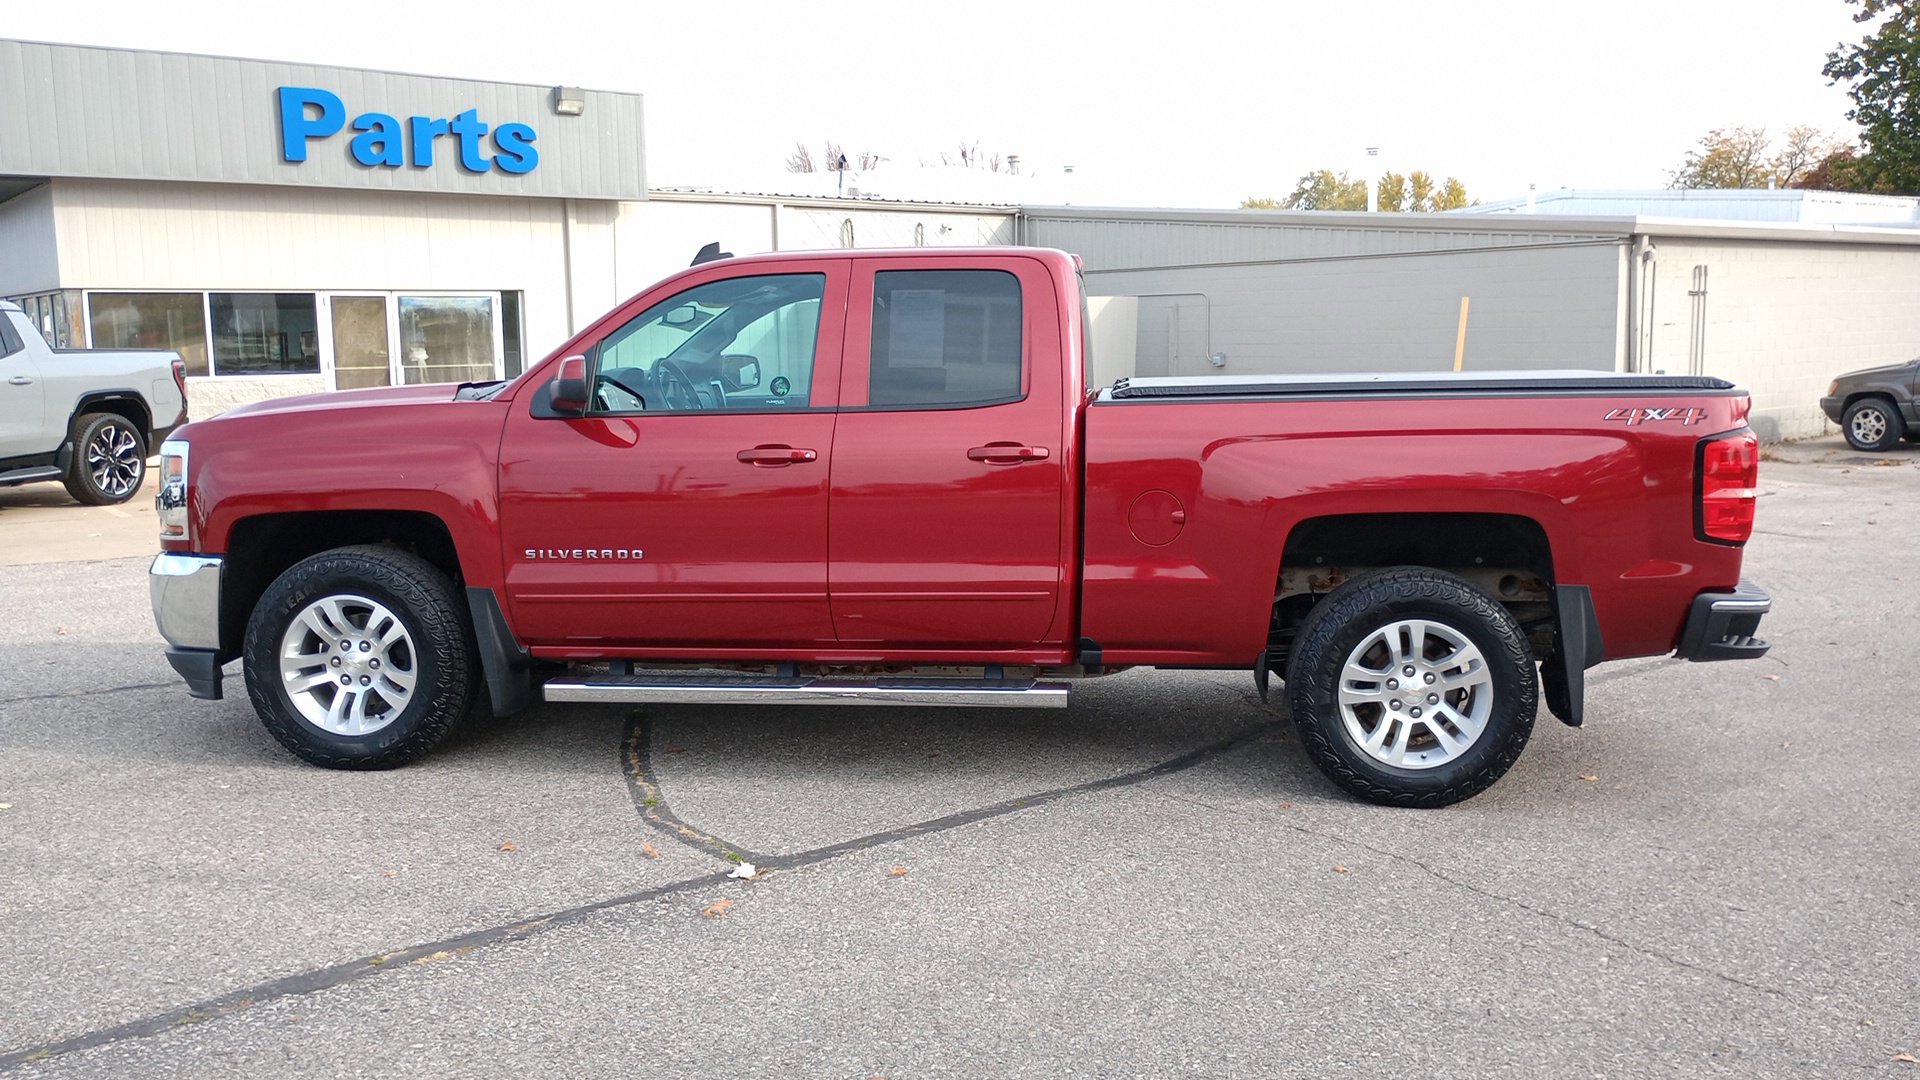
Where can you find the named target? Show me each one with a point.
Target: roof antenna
(710, 253)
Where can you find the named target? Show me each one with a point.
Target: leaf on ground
(61, 629)
(1906, 1057)
(896, 871)
(389, 873)
(1774, 678)
(1589, 776)
(508, 845)
(717, 909)
(1784, 743)
(647, 849)
(1286, 806)
(1338, 869)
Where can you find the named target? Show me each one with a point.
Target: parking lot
(1718, 875)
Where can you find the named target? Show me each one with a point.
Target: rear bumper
(1723, 625)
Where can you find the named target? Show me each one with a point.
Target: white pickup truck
(84, 417)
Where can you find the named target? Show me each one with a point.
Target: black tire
(1872, 424)
(109, 459)
(1363, 620)
(370, 591)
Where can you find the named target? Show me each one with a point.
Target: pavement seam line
(326, 978)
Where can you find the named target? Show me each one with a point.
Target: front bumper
(1722, 625)
(1833, 407)
(185, 590)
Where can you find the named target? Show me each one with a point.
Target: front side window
(738, 344)
(944, 338)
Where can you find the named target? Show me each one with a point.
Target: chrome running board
(705, 689)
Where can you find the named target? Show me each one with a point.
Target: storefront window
(174, 321)
(446, 339)
(55, 315)
(264, 333)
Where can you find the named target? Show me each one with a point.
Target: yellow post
(1460, 341)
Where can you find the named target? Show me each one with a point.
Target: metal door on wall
(403, 339)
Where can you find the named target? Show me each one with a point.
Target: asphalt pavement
(1718, 875)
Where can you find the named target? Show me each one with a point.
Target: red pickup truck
(881, 476)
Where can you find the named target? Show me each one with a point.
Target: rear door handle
(777, 454)
(1006, 453)
(20, 380)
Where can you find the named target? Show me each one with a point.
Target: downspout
(1636, 302)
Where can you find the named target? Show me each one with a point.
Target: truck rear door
(945, 518)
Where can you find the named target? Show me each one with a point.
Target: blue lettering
(515, 143)
(379, 140)
(308, 113)
(468, 128)
(425, 130)
(296, 127)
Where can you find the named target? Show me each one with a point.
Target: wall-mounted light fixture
(569, 100)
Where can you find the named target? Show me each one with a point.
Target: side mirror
(570, 386)
(740, 371)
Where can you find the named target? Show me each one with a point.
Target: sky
(1200, 103)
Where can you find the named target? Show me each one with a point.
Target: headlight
(171, 500)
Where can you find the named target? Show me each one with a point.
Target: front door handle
(777, 454)
(1006, 453)
(20, 380)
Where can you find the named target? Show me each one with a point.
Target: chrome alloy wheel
(1869, 426)
(1415, 694)
(114, 462)
(348, 664)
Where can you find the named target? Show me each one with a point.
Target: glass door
(360, 347)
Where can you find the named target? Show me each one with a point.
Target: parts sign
(308, 112)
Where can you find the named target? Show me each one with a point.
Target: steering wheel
(676, 389)
(616, 381)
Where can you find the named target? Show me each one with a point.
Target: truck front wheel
(361, 658)
(1412, 688)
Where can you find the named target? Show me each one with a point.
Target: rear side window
(944, 338)
(9, 340)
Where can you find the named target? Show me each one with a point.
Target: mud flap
(1576, 647)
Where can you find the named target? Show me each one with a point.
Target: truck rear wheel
(109, 459)
(1412, 688)
(361, 658)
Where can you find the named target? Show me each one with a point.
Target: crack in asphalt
(65, 695)
(636, 759)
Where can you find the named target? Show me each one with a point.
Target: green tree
(1324, 190)
(1883, 76)
(1260, 202)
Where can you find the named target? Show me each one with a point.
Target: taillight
(180, 381)
(1729, 474)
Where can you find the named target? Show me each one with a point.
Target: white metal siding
(28, 262)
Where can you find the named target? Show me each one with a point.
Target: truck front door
(948, 464)
(688, 507)
(23, 397)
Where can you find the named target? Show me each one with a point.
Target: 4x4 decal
(1689, 415)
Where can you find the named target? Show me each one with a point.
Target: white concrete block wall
(1783, 318)
(212, 395)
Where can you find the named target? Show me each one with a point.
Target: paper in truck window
(917, 328)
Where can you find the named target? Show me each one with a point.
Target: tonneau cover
(1411, 383)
